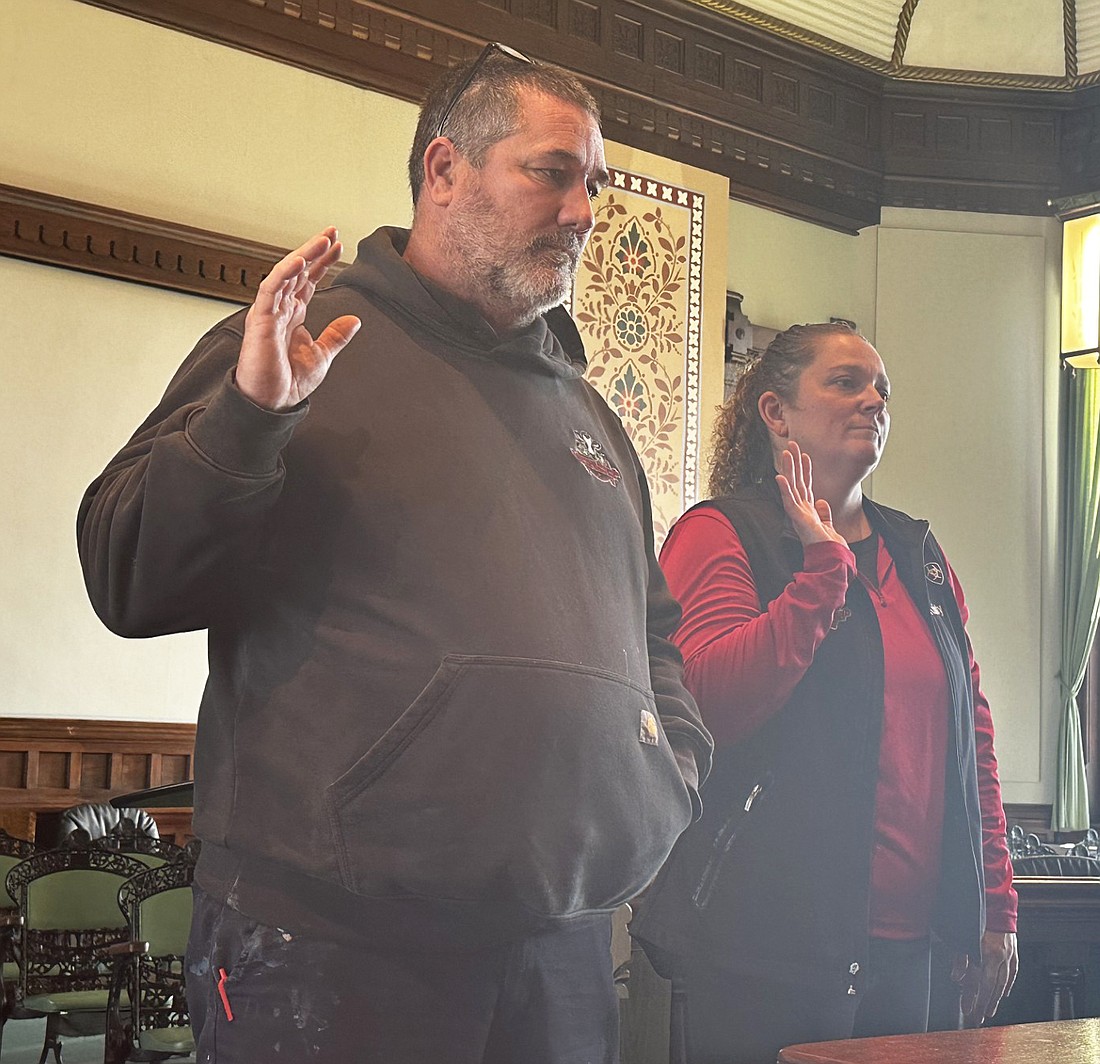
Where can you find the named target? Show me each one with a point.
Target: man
(444, 733)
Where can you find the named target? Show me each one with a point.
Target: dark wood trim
(50, 731)
(330, 37)
(131, 247)
(793, 125)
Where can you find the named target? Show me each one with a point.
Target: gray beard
(533, 288)
(521, 282)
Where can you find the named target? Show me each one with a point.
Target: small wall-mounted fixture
(744, 341)
(738, 329)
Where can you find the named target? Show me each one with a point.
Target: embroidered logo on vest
(840, 615)
(934, 573)
(590, 454)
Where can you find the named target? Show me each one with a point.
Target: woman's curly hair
(742, 451)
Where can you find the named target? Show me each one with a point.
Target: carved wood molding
(53, 763)
(794, 126)
(130, 247)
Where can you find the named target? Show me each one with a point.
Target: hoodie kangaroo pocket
(538, 782)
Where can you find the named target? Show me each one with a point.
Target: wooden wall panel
(49, 764)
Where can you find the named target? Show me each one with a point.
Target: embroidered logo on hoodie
(591, 455)
(934, 573)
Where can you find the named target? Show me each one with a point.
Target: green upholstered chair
(68, 905)
(149, 967)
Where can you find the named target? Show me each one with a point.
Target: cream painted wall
(83, 359)
(790, 271)
(967, 324)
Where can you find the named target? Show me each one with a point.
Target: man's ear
(771, 410)
(440, 161)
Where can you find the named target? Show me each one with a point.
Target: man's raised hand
(280, 363)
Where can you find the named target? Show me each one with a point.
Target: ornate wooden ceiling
(793, 128)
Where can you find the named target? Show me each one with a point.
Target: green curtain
(1081, 606)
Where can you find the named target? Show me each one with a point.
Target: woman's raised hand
(280, 363)
(812, 519)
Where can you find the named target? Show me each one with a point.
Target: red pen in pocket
(222, 976)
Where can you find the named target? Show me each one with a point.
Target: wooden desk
(1060, 1042)
(1059, 909)
(1059, 935)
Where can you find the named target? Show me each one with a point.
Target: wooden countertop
(1058, 1042)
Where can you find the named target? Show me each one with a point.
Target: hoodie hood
(550, 344)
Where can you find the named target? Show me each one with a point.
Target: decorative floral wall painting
(639, 305)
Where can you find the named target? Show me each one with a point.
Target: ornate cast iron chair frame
(62, 968)
(150, 968)
(12, 851)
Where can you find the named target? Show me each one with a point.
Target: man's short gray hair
(488, 109)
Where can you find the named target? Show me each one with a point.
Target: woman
(854, 809)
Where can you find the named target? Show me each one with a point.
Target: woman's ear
(770, 406)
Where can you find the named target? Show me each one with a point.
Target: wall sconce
(1081, 291)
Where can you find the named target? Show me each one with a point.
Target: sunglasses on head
(492, 48)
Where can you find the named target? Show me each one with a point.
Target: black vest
(775, 876)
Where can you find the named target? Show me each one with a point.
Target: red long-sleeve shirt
(743, 664)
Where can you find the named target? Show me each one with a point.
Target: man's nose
(577, 212)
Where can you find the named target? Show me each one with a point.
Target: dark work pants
(545, 999)
(734, 1018)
